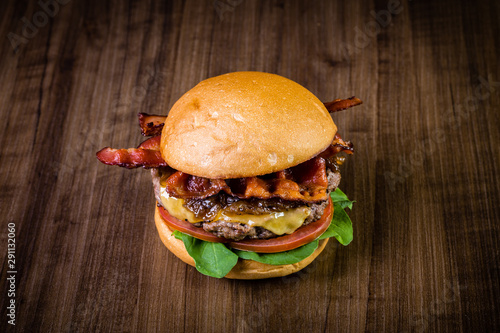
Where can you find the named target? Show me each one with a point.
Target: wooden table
(425, 174)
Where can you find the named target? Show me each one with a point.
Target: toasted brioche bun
(245, 124)
(244, 269)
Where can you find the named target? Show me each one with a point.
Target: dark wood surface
(425, 174)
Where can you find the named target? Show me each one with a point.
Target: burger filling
(232, 217)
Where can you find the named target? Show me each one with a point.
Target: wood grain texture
(425, 174)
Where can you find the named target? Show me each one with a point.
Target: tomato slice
(300, 237)
(189, 228)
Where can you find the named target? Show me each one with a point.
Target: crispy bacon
(131, 158)
(337, 146)
(147, 155)
(151, 124)
(151, 143)
(306, 182)
(186, 186)
(342, 104)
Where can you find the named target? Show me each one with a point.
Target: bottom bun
(244, 269)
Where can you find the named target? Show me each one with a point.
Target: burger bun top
(245, 124)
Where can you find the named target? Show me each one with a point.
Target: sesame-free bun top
(245, 124)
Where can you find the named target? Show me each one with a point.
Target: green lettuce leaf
(212, 259)
(340, 198)
(280, 258)
(341, 226)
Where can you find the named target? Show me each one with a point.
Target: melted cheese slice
(280, 223)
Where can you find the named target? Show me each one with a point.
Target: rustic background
(425, 175)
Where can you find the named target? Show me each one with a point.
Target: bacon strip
(342, 104)
(131, 158)
(306, 182)
(151, 143)
(147, 155)
(151, 124)
(337, 146)
(186, 186)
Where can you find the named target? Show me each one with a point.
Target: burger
(245, 171)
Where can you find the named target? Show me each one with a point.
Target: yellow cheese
(176, 207)
(280, 223)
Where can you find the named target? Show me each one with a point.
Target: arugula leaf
(212, 259)
(280, 258)
(341, 226)
(340, 198)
